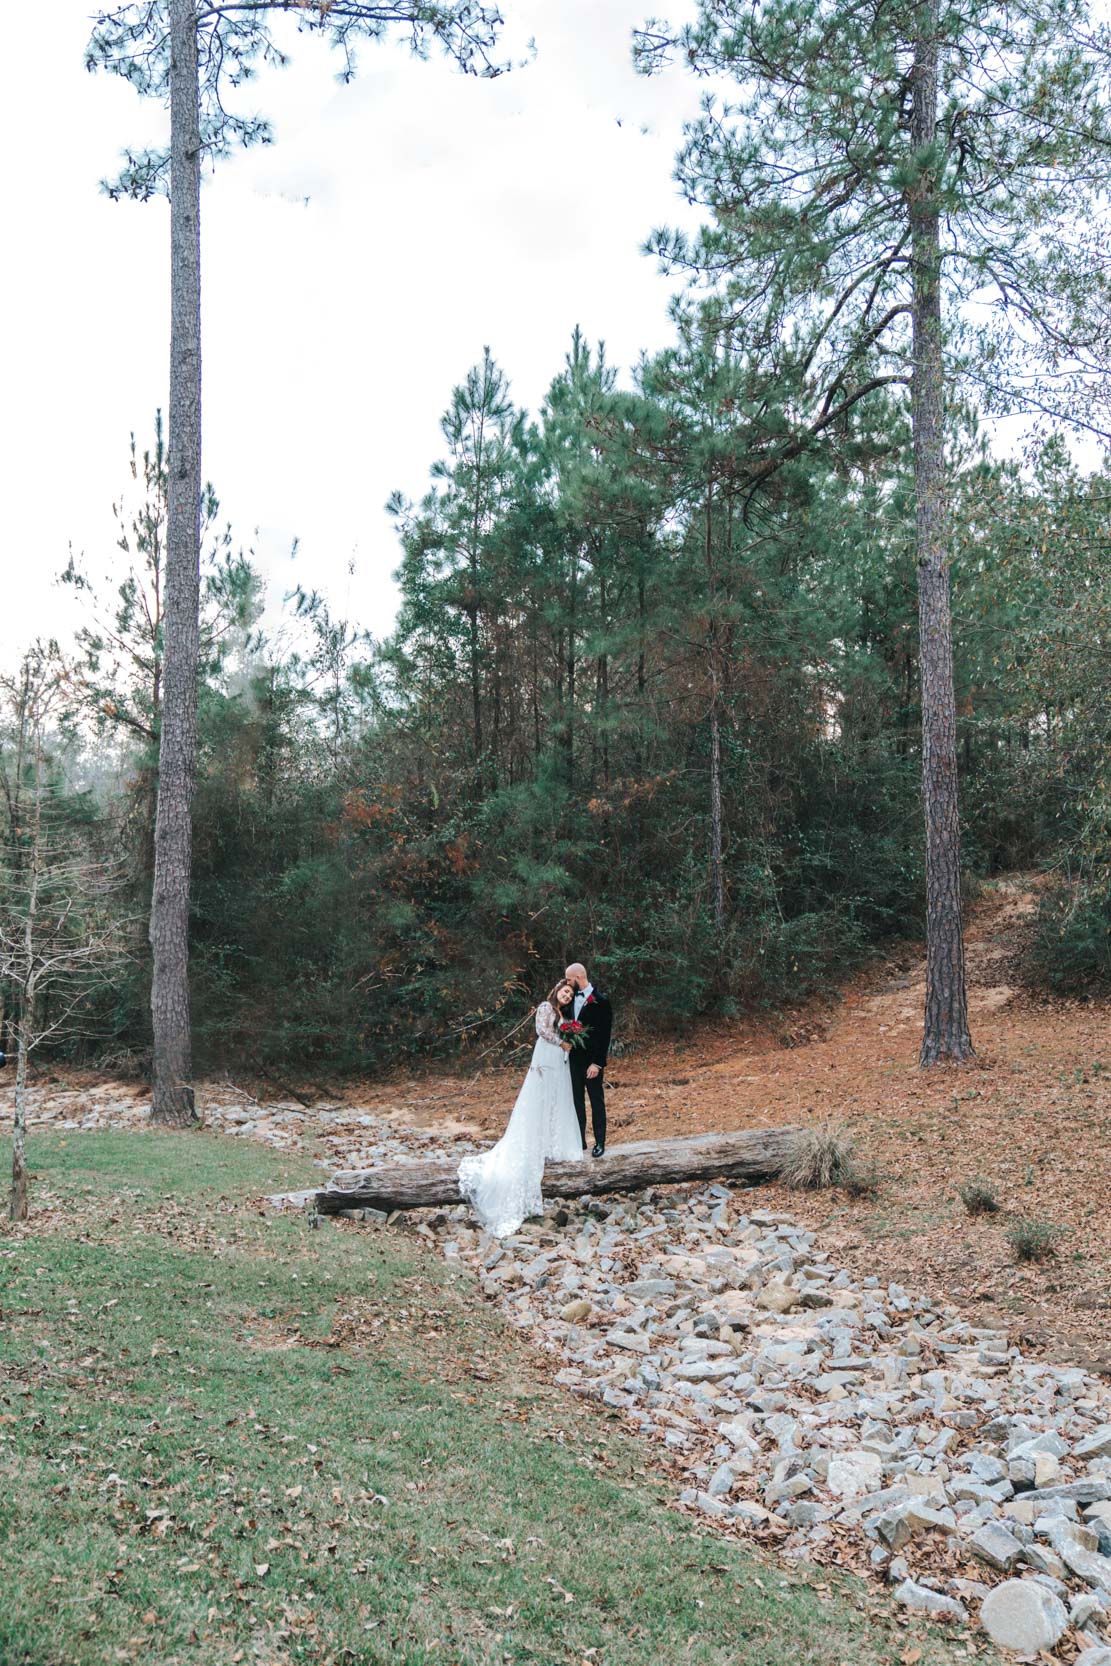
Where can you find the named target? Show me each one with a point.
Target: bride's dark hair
(554, 991)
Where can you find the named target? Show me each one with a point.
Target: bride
(503, 1184)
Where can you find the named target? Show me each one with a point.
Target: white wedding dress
(503, 1184)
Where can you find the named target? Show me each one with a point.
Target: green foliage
(805, 160)
(1032, 1240)
(1071, 950)
(235, 39)
(377, 875)
(979, 1198)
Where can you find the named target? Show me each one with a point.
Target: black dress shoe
(599, 1151)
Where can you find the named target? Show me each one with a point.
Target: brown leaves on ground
(1032, 1118)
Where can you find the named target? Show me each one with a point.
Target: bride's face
(565, 994)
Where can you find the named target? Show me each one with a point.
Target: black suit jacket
(596, 1017)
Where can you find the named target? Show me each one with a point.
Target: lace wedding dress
(503, 1184)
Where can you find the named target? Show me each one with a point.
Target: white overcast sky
(352, 273)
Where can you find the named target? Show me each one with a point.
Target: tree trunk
(946, 1034)
(28, 989)
(717, 874)
(172, 1100)
(604, 683)
(569, 734)
(17, 1203)
(753, 1154)
(476, 680)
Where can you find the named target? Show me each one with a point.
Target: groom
(595, 1014)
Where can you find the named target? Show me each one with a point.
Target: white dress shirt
(580, 998)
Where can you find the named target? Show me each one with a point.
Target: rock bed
(833, 1419)
(337, 1136)
(838, 1420)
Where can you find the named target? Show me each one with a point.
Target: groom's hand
(595, 1070)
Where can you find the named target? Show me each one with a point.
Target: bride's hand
(566, 1045)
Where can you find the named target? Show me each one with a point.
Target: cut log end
(751, 1155)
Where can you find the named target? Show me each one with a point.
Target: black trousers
(595, 1087)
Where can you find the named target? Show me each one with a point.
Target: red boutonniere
(590, 1000)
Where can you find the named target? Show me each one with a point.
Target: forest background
(641, 704)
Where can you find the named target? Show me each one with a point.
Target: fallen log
(753, 1154)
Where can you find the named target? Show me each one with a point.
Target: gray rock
(854, 1473)
(1023, 1616)
(781, 1492)
(1091, 1491)
(1096, 1657)
(1044, 1561)
(635, 1341)
(987, 1468)
(994, 1545)
(1084, 1608)
(1097, 1445)
(1088, 1565)
(805, 1513)
(924, 1518)
(777, 1297)
(1055, 1509)
(1076, 1535)
(894, 1529)
(982, 1492)
(706, 1370)
(721, 1481)
(1048, 1441)
(1057, 1586)
(1020, 1473)
(925, 1601)
(646, 1288)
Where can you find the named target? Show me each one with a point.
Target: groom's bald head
(576, 974)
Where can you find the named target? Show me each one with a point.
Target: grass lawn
(225, 1437)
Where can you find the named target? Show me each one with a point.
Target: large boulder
(1023, 1616)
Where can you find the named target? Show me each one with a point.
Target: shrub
(1033, 1240)
(821, 1157)
(1070, 950)
(978, 1198)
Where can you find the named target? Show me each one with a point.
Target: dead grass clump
(821, 1158)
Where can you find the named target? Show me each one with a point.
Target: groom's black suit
(596, 1017)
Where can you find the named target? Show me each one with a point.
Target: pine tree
(883, 167)
(193, 54)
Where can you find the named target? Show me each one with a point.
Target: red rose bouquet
(571, 1030)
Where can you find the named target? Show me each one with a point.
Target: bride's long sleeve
(546, 1026)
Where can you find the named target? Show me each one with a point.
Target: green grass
(192, 1471)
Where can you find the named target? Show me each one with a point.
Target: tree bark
(18, 1202)
(172, 1099)
(753, 1154)
(946, 1034)
(717, 868)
